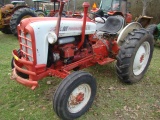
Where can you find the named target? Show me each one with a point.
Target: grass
(114, 100)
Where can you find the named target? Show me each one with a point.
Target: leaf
(44, 108)
(22, 109)
(112, 88)
(123, 88)
(158, 111)
(125, 108)
(138, 107)
(49, 82)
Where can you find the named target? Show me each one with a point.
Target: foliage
(114, 100)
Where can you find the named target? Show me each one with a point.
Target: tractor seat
(113, 25)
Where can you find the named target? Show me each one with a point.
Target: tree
(145, 6)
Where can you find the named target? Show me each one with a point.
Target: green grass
(114, 100)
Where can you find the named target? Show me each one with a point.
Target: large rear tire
(40, 14)
(75, 95)
(18, 15)
(152, 29)
(6, 30)
(134, 56)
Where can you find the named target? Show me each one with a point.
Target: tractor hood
(68, 27)
(40, 27)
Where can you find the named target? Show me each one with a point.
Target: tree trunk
(144, 7)
(144, 10)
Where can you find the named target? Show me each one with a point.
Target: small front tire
(12, 66)
(75, 95)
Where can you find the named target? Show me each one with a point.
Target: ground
(114, 100)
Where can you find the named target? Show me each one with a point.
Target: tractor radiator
(26, 46)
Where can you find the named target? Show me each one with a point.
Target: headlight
(52, 37)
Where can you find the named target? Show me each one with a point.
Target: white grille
(26, 45)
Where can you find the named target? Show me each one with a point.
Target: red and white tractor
(55, 46)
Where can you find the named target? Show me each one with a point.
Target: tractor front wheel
(19, 15)
(134, 56)
(75, 95)
(12, 66)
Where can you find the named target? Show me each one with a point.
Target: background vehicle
(12, 14)
(114, 7)
(119, 7)
(50, 9)
(19, 3)
(40, 9)
(68, 11)
(53, 7)
(60, 45)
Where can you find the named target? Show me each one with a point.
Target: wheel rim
(41, 15)
(26, 16)
(79, 98)
(141, 58)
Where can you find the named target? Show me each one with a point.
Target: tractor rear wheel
(153, 29)
(19, 15)
(6, 30)
(40, 14)
(75, 95)
(134, 56)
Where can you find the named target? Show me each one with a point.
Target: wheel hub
(75, 100)
(79, 98)
(141, 58)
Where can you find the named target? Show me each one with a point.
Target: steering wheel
(96, 15)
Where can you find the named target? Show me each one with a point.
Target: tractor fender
(144, 20)
(129, 28)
